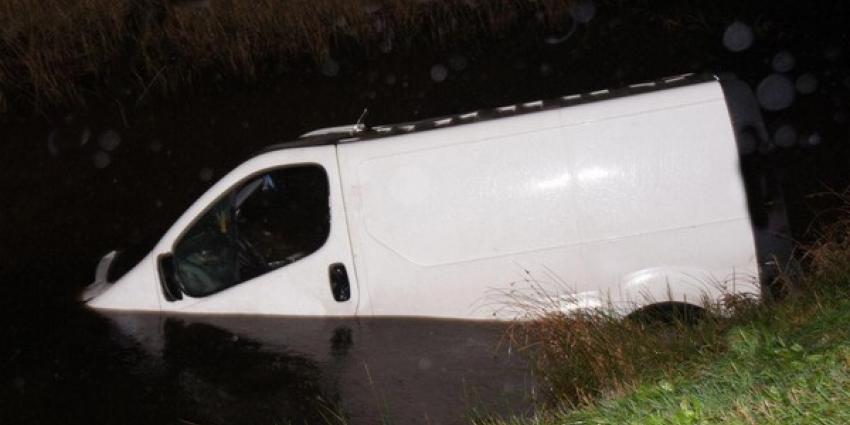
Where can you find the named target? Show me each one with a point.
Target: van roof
(349, 134)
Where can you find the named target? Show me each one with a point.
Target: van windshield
(260, 225)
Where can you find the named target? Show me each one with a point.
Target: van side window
(265, 223)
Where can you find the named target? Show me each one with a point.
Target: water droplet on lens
(329, 67)
(390, 80)
(557, 39)
(814, 139)
(439, 73)
(738, 37)
(584, 11)
(205, 174)
(85, 137)
(155, 146)
(51, 142)
(457, 63)
(539, 16)
(101, 159)
(832, 53)
(109, 140)
(784, 61)
(785, 136)
(775, 92)
(809, 140)
(807, 84)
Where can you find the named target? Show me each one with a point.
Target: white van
(629, 197)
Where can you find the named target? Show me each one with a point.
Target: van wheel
(668, 313)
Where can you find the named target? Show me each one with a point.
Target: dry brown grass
(46, 43)
(591, 353)
(826, 258)
(49, 47)
(783, 362)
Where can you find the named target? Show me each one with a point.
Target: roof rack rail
(341, 130)
(359, 131)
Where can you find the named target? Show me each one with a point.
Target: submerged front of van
(123, 284)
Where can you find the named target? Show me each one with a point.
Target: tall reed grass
(55, 50)
(585, 354)
(594, 354)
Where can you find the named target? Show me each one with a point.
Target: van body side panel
(455, 224)
(472, 201)
(575, 206)
(662, 190)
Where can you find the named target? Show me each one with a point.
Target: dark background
(62, 206)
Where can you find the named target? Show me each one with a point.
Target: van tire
(668, 313)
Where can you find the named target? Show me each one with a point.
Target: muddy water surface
(78, 182)
(147, 368)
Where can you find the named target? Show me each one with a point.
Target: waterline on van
(582, 345)
(531, 298)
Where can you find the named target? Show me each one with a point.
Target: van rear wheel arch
(668, 313)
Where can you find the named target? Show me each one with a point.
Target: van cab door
(270, 238)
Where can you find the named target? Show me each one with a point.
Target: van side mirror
(167, 278)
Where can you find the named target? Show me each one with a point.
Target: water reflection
(73, 366)
(235, 370)
(222, 378)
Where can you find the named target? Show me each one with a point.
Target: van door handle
(340, 288)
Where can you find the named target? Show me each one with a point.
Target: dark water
(144, 368)
(77, 182)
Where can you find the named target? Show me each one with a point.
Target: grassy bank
(54, 51)
(791, 367)
(779, 363)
